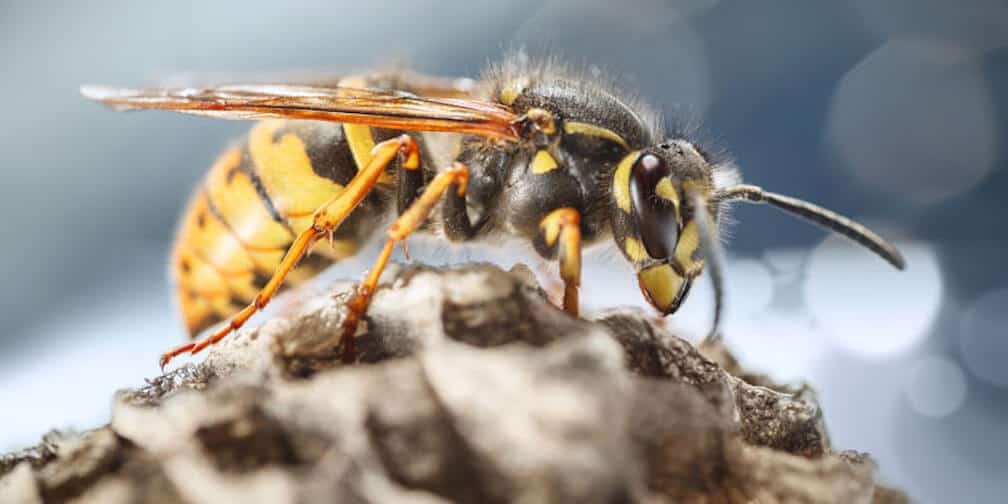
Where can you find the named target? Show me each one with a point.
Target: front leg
(560, 235)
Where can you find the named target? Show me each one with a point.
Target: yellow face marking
(621, 181)
(662, 284)
(581, 128)
(667, 191)
(236, 199)
(635, 249)
(689, 238)
(286, 171)
(512, 90)
(689, 242)
(543, 163)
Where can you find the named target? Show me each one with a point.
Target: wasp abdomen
(254, 201)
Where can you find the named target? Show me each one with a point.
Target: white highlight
(864, 305)
(915, 119)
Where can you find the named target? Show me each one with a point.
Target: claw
(405, 250)
(175, 352)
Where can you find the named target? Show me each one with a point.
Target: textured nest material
(471, 388)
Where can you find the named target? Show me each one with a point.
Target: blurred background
(892, 112)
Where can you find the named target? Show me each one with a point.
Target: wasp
(534, 151)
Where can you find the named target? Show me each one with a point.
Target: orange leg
(408, 222)
(563, 227)
(326, 220)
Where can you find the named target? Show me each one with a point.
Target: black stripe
(212, 209)
(326, 147)
(248, 167)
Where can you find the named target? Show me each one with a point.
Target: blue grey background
(893, 112)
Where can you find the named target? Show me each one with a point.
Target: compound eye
(654, 208)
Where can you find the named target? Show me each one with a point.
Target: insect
(534, 151)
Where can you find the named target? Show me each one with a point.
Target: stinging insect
(533, 151)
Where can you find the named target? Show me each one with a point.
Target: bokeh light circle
(865, 306)
(915, 119)
(981, 25)
(984, 338)
(935, 387)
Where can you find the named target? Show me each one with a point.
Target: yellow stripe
(666, 190)
(286, 171)
(662, 283)
(635, 249)
(581, 128)
(621, 181)
(236, 199)
(359, 137)
(361, 142)
(689, 242)
(543, 163)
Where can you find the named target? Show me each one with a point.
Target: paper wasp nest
(473, 388)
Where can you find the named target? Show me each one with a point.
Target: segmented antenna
(816, 215)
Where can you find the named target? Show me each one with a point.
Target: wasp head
(653, 223)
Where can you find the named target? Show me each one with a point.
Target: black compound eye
(654, 217)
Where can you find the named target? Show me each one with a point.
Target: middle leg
(415, 215)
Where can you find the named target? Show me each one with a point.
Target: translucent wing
(374, 107)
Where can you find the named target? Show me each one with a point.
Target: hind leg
(325, 221)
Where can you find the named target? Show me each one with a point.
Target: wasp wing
(373, 107)
(420, 84)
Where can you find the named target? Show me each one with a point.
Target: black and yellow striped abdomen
(256, 198)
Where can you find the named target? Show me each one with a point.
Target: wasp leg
(457, 226)
(325, 221)
(562, 227)
(409, 221)
(410, 181)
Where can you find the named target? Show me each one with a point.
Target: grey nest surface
(470, 387)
